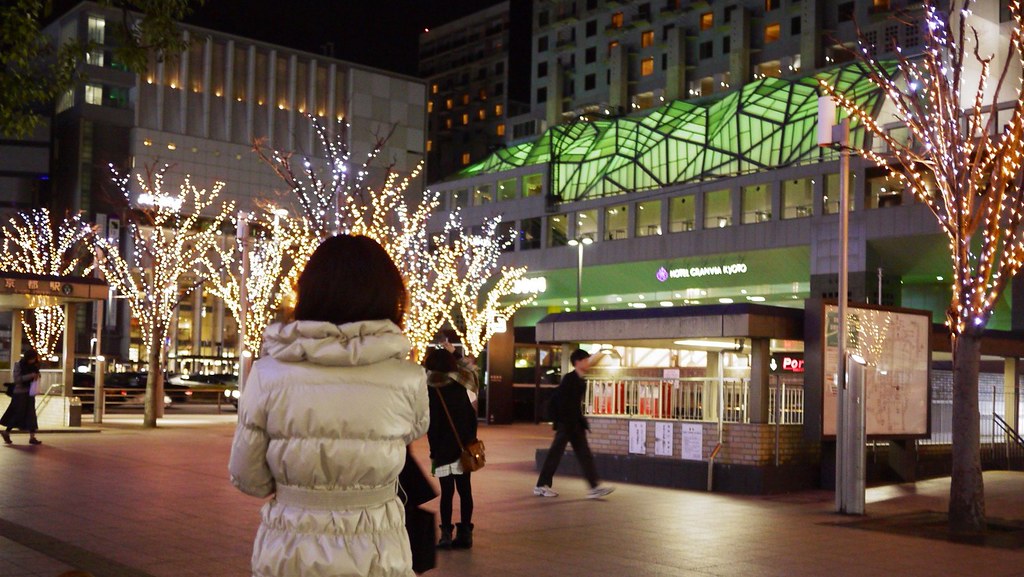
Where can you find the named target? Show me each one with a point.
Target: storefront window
(832, 194)
(616, 222)
(507, 189)
(797, 195)
(648, 218)
(681, 213)
(717, 209)
(756, 204)
(586, 224)
(883, 189)
(532, 185)
(482, 195)
(529, 233)
(558, 230)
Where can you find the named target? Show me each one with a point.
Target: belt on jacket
(334, 499)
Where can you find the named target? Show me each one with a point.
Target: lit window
(448, 123)
(707, 20)
(465, 98)
(94, 57)
(617, 20)
(611, 46)
(500, 130)
(465, 158)
(430, 106)
(647, 66)
(93, 94)
(481, 114)
(430, 145)
(465, 118)
(66, 101)
(499, 110)
(97, 29)
(647, 39)
(483, 94)
(771, 33)
(433, 88)
(449, 103)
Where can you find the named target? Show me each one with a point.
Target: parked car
(126, 388)
(228, 381)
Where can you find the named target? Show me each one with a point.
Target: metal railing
(1012, 451)
(686, 399)
(990, 406)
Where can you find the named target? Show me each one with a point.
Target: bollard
(75, 412)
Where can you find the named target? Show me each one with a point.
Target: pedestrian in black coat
(21, 413)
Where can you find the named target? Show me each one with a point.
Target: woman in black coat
(449, 380)
(21, 413)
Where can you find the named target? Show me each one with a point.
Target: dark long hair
(350, 279)
(440, 360)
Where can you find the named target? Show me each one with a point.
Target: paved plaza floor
(135, 503)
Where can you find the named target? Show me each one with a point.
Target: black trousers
(563, 436)
(448, 485)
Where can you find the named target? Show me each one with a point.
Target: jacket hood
(323, 343)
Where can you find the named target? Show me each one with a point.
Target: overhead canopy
(661, 326)
(28, 291)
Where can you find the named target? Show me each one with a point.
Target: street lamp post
(579, 243)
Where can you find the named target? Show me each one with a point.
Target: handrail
(1012, 434)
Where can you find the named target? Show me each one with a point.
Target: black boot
(463, 536)
(446, 537)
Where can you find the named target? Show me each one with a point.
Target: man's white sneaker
(544, 491)
(599, 491)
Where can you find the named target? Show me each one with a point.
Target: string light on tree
(176, 248)
(33, 245)
(965, 166)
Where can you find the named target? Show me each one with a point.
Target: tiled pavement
(128, 502)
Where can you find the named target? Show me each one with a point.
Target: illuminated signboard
(663, 274)
(786, 363)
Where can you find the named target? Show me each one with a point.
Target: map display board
(895, 345)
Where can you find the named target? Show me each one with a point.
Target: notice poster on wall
(663, 433)
(895, 347)
(693, 441)
(638, 437)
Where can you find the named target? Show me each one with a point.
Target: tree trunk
(154, 388)
(967, 489)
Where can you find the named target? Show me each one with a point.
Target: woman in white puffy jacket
(324, 419)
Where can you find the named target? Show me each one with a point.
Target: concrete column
(293, 66)
(229, 87)
(712, 378)
(618, 88)
(812, 17)
(16, 335)
(759, 395)
(675, 72)
(739, 47)
(310, 105)
(250, 94)
(160, 95)
(556, 83)
(68, 357)
(271, 100)
(183, 88)
(207, 87)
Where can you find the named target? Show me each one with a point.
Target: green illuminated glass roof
(766, 124)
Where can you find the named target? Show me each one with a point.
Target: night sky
(379, 33)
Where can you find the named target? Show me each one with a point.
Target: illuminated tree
(965, 165)
(175, 242)
(477, 298)
(33, 245)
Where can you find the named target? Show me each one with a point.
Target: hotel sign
(663, 274)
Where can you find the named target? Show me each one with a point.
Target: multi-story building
(475, 69)
(679, 168)
(201, 112)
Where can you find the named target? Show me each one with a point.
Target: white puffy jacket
(323, 422)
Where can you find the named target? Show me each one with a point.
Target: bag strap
(450, 421)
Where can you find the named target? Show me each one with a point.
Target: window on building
(506, 189)
(542, 44)
(795, 25)
(499, 68)
(831, 195)
(433, 88)
(542, 18)
(770, 69)
(532, 185)
(529, 233)
(726, 44)
(664, 61)
(591, 28)
(542, 69)
(718, 208)
(648, 218)
(590, 82)
(66, 100)
(681, 212)
(883, 6)
(666, 31)
(499, 89)
(558, 230)
(97, 31)
(94, 94)
(448, 123)
(707, 50)
(499, 109)
(844, 12)
(755, 204)
(465, 98)
(430, 106)
(771, 33)
(728, 13)
(465, 158)
(611, 46)
(707, 20)
(449, 103)
(459, 198)
(617, 20)
(591, 4)
(481, 114)
(591, 55)
(94, 57)
(586, 224)
(647, 39)
(430, 145)
(647, 66)
(465, 118)
(499, 130)
(482, 95)
(483, 195)
(542, 94)
(771, 5)
(883, 189)
(797, 198)
(616, 222)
